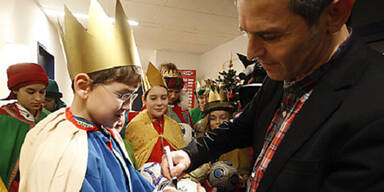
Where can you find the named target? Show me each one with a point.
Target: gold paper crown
(201, 88)
(152, 78)
(218, 101)
(214, 95)
(104, 45)
(201, 83)
(172, 73)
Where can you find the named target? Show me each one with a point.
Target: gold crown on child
(152, 78)
(103, 45)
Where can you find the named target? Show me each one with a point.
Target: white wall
(158, 57)
(146, 55)
(211, 62)
(23, 24)
(5, 9)
(207, 65)
(181, 60)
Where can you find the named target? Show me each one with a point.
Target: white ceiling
(192, 26)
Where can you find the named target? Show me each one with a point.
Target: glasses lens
(133, 96)
(127, 96)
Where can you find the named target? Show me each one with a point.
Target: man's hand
(199, 189)
(186, 185)
(181, 162)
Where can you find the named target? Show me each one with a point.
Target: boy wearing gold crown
(74, 149)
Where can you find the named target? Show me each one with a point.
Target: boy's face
(104, 105)
(31, 96)
(202, 99)
(218, 117)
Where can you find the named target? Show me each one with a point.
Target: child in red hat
(27, 83)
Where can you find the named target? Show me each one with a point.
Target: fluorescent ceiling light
(84, 16)
(133, 22)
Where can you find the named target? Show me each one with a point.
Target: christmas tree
(231, 82)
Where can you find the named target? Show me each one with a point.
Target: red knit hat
(23, 74)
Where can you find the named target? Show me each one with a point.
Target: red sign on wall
(189, 77)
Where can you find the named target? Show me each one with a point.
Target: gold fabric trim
(143, 136)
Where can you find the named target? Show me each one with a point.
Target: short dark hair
(169, 66)
(310, 10)
(125, 74)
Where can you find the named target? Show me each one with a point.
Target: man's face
(283, 42)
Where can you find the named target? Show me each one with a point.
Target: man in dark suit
(317, 124)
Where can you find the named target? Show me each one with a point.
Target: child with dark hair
(27, 82)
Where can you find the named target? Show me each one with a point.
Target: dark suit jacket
(335, 142)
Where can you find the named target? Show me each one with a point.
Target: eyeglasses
(122, 97)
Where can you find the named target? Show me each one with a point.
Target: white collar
(25, 113)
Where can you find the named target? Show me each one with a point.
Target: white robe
(54, 155)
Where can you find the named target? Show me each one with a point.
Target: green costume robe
(13, 128)
(196, 115)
